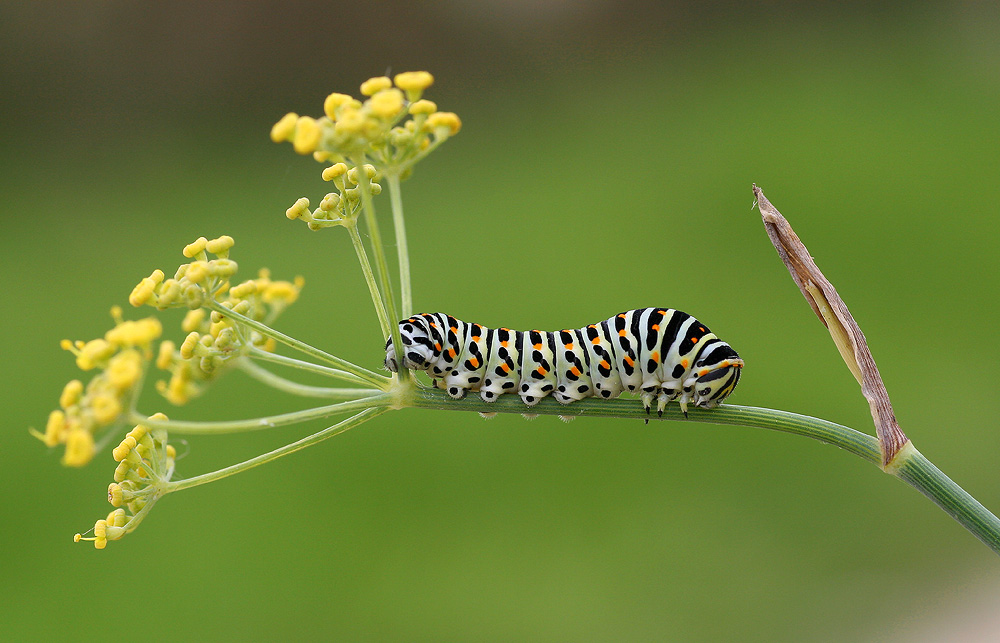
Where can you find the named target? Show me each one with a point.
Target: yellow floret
(79, 448)
(195, 248)
(281, 291)
(387, 103)
(333, 102)
(374, 85)
(55, 428)
(351, 121)
(71, 393)
(307, 135)
(423, 107)
(94, 352)
(165, 357)
(283, 129)
(444, 120)
(115, 494)
(189, 344)
(106, 408)
(220, 246)
(332, 172)
(142, 292)
(197, 272)
(414, 81)
(299, 208)
(192, 320)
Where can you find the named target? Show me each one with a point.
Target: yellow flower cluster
(145, 463)
(376, 129)
(120, 357)
(341, 207)
(193, 282)
(213, 340)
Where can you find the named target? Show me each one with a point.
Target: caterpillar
(660, 353)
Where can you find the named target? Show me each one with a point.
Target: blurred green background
(605, 163)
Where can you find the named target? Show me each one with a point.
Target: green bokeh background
(605, 163)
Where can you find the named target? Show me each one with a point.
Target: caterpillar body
(660, 353)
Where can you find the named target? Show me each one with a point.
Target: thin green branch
(309, 367)
(381, 264)
(325, 434)
(402, 249)
(917, 471)
(268, 422)
(366, 269)
(265, 376)
(364, 374)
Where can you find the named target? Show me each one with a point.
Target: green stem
(268, 422)
(381, 265)
(261, 374)
(402, 249)
(309, 367)
(366, 268)
(325, 434)
(909, 466)
(913, 468)
(363, 374)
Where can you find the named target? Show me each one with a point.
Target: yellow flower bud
(299, 208)
(55, 428)
(224, 268)
(106, 408)
(351, 122)
(115, 495)
(138, 432)
(281, 291)
(165, 356)
(79, 448)
(188, 346)
(94, 352)
(171, 452)
(444, 120)
(283, 129)
(332, 172)
(124, 370)
(386, 103)
(142, 292)
(197, 272)
(330, 202)
(307, 135)
(71, 393)
(195, 248)
(333, 102)
(244, 289)
(374, 85)
(192, 320)
(414, 81)
(220, 247)
(423, 107)
(116, 518)
(123, 471)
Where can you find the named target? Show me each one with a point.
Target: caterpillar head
(417, 346)
(716, 375)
